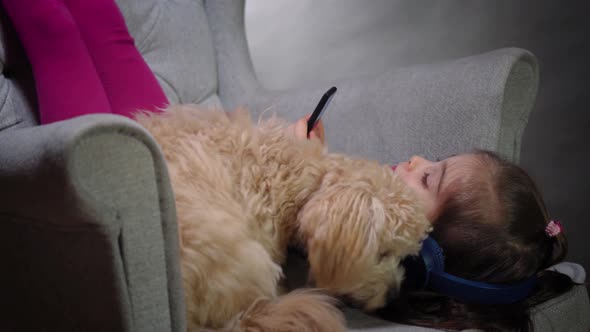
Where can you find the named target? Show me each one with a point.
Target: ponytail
(550, 284)
(556, 250)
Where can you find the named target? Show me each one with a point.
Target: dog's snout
(391, 295)
(351, 301)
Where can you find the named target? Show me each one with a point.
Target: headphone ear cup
(418, 268)
(434, 277)
(416, 276)
(432, 255)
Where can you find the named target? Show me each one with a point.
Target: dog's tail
(301, 310)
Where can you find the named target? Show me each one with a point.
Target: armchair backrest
(175, 39)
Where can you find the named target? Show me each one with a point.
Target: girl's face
(429, 179)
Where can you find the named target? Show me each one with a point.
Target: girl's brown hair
(492, 229)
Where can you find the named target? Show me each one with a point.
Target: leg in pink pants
(66, 80)
(83, 61)
(128, 81)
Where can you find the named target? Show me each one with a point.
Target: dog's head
(356, 228)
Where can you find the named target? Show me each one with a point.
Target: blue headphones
(428, 271)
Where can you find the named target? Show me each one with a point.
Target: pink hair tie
(553, 228)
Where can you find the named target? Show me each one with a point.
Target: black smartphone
(319, 110)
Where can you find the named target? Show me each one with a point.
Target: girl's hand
(299, 130)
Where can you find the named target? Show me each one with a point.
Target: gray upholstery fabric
(436, 110)
(88, 229)
(175, 40)
(569, 312)
(17, 90)
(87, 223)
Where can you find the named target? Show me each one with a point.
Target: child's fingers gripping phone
(317, 131)
(319, 110)
(298, 129)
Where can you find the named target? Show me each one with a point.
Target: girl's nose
(415, 161)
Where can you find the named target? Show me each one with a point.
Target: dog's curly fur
(245, 192)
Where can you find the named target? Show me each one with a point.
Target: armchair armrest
(439, 109)
(482, 101)
(87, 228)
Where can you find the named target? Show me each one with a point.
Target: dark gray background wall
(297, 42)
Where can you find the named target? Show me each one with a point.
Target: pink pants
(84, 60)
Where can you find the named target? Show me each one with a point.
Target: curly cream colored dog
(246, 192)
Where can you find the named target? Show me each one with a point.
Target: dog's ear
(339, 226)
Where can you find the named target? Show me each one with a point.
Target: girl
(490, 220)
(486, 213)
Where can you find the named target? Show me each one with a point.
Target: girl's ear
(339, 227)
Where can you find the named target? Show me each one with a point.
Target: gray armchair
(88, 236)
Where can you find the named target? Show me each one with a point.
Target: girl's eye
(425, 180)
